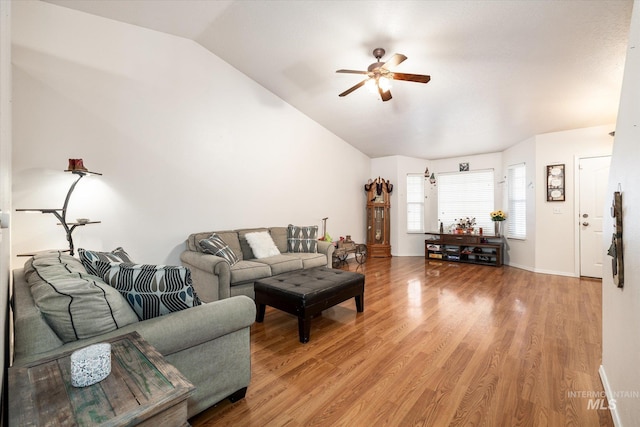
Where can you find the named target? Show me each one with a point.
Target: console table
(471, 248)
(142, 389)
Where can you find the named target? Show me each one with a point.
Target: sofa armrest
(191, 327)
(327, 248)
(211, 275)
(175, 332)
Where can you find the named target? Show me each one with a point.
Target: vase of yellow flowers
(497, 217)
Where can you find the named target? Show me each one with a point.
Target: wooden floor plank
(438, 344)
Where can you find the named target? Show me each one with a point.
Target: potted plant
(497, 217)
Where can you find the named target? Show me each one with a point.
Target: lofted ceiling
(501, 71)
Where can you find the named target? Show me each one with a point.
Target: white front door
(594, 176)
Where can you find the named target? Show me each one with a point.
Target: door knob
(585, 223)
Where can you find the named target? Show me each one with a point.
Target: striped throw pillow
(214, 245)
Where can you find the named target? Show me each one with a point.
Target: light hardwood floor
(438, 344)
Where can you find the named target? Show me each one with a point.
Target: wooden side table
(142, 389)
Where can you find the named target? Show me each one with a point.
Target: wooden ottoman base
(305, 293)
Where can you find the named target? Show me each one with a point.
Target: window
(415, 203)
(466, 194)
(517, 201)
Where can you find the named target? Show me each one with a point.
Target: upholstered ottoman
(305, 293)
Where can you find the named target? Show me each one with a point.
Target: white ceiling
(501, 71)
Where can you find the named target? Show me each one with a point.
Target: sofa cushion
(89, 258)
(214, 245)
(310, 260)
(151, 290)
(282, 263)
(279, 236)
(231, 239)
(302, 239)
(261, 244)
(76, 305)
(55, 263)
(248, 271)
(247, 253)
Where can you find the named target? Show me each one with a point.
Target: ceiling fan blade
(352, 72)
(384, 95)
(352, 88)
(395, 60)
(419, 78)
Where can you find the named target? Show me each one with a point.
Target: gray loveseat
(209, 344)
(214, 278)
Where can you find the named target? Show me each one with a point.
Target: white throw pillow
(262, 244)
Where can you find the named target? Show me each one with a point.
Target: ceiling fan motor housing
(378, 53)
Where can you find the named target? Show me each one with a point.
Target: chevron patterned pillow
(302, 239)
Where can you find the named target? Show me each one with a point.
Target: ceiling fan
(379, 75)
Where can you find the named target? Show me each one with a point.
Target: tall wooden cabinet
(378, 218)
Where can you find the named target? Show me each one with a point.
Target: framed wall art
(555, 183)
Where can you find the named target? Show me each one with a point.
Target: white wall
(5, 172)
(620, 369)
(521, 253)
(476, 162)
(555, 234)
(549, 248)
(186, 143)
(396, 168)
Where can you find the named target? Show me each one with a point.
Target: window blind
(466, 194)
(517, 201)
(415, 203)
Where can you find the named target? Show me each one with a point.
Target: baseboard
(555, 273)
(537, 270)
(615, 415)
(521, 267)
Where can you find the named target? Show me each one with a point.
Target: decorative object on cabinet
(378, 219)
(615, 250)
(555, 183)
(497, 217)
(464, 167)
(76, 167)
(465, 225)
(468, 248)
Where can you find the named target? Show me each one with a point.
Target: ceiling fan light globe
(371, 86)
(385, 83)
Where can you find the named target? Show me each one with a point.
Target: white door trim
(576, 208)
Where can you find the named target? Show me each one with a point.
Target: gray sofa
(209, 344)
(214, 279)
